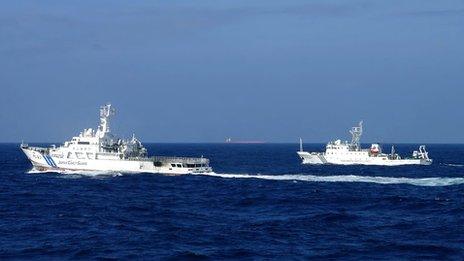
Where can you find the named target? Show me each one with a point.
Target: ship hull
(321, 158)
(44, 162)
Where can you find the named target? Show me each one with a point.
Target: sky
(201, 71)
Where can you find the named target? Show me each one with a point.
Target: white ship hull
(101, 150)
(351, 153)
(43, 161)
(322, 158)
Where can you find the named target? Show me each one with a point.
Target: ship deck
(166, 159)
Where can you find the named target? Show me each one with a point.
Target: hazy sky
(199, 71)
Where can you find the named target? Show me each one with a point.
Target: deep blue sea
(261, 204)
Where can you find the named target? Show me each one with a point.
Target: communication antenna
(356, 133)
(105, 113)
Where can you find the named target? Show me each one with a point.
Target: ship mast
(105, 113)
(356, 133)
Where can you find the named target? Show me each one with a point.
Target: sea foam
(76, 173)
(428, 182)
(425, 182)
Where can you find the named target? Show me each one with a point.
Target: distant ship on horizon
(350, 153)
(229, 140)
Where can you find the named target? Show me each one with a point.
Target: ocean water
(261, 203)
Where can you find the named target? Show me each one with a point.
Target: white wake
(428, 182)
(76, 173)
(454, 165)
(425, 182)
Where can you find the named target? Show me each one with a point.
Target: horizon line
(246, 143)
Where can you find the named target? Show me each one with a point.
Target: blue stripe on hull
(45, 158)
(52, 161)
(49, 161)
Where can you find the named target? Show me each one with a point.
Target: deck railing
(167, 159)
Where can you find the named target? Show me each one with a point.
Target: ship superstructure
(345, 153)
(101, 150)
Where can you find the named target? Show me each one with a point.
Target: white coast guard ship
(100, 150)
(346, 153)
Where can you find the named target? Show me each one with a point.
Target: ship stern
(311, 158)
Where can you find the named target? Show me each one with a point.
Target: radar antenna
(105, 113)
(356, 133)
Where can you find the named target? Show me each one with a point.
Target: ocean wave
(454, 165)
(426, 182)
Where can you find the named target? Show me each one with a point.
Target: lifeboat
(375, 149)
